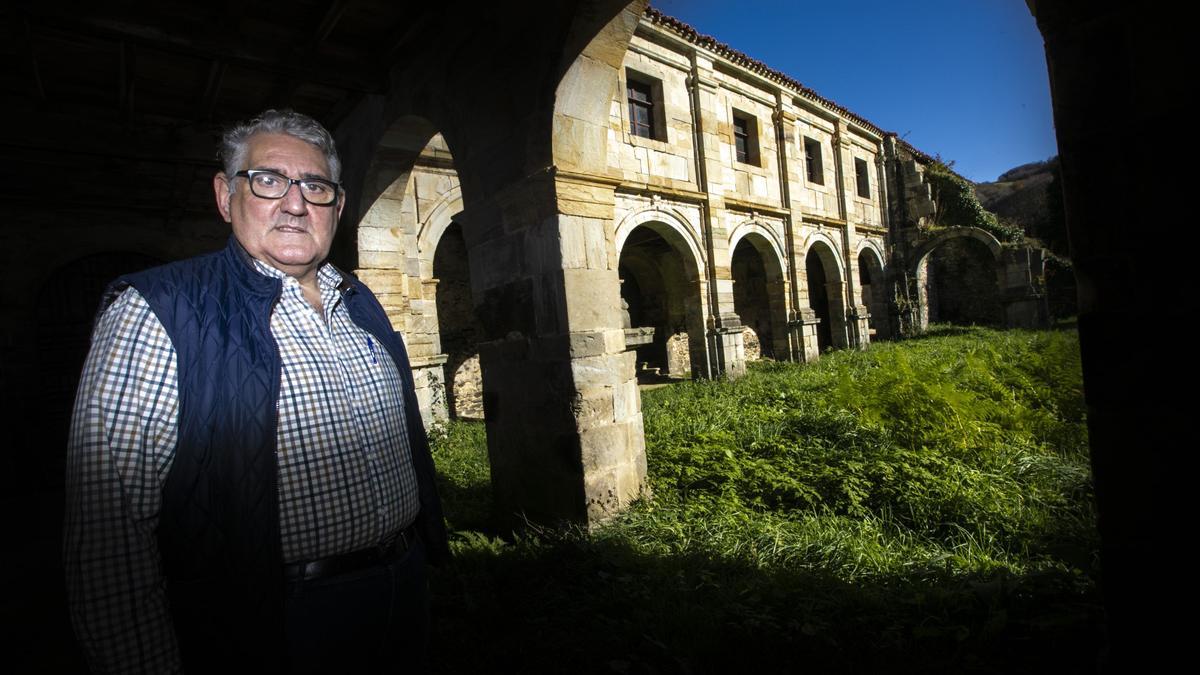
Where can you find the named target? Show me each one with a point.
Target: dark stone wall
(1123, 204)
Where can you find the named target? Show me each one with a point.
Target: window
(646, 115)
(745, 138)
(641, 109)
(812, 161)
(860, 175)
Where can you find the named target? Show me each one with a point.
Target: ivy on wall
(957, 205)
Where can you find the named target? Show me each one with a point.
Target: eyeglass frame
(249, 175)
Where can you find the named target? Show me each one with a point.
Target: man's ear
(341, 204)
(222, 193)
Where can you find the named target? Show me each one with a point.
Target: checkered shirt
(346, 479)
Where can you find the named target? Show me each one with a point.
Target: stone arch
(671, 225)
(586, 88)
(434, 225)
(766, 234)
(874, 288)
(760, 286)
(539, 308)
(983, 236)
(823, 268)
(458, 330)
(411, 197)
(662, 287)
(396, 153)
(955, 291)
(834, 249)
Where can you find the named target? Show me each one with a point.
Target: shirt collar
(328, 277)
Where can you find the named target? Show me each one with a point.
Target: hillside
(1020, 194)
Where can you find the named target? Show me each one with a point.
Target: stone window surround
(640, 97)
(749, 129)
(757, 166)
(807, 126)
(862, 178)
(869, 160)
(660, 129)
(814, 164)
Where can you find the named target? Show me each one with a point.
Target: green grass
(923, 506)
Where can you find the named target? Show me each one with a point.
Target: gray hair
(236, 140)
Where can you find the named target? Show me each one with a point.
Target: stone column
(790, 164)
(726, 352)
(389, 264)
(804, 329)
(858, 330)
(560, 395)
(430, 380)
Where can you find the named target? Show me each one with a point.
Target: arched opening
(66, 310)
(458, 328)
(758, 297)
(874, 293)
(660, 289)
(960, 283)
(824, 280)
(414, 251)
(414, 194)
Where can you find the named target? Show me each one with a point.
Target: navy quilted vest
(218, 530)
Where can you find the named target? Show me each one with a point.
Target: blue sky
(964, 79)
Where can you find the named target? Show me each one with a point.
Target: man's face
(288, 233)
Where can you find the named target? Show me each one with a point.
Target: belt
(353, 561)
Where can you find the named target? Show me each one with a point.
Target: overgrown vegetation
(923, 506)
(957, 205)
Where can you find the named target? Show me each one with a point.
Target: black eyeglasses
(271, 185)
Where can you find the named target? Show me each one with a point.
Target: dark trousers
(374, 620)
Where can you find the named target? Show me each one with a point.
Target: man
(249, 483)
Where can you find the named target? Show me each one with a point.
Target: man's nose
(293, 200)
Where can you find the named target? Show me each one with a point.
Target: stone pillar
(790, 164)
(389, 264)
(727, 345)
(858, 327)
(858, 332)
(805, 335)
(560, 395)
(430, 381)
(726, 354)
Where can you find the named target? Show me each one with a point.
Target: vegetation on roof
(958, 205)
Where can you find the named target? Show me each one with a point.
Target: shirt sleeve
(122, 442)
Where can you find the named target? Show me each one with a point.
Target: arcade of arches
(538, 259)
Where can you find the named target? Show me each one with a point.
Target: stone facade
(738, 206)
(536, 252)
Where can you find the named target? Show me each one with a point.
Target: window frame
(651, 102)
(813, 161)
(750, 154)
(862, 177)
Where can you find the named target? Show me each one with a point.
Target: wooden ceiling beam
(127, 81)
(35, 72)
(358, 75)
(212, 88)
(333, 14)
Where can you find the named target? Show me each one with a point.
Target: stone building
(561, 199)
(750, 217)
(111, 116)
